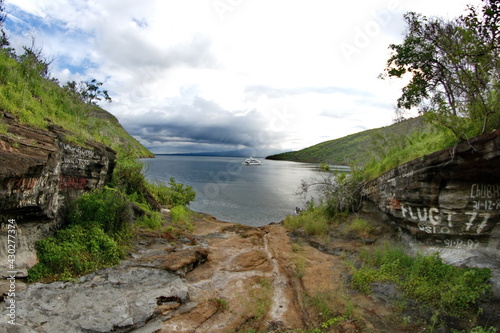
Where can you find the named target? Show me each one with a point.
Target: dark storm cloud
(199, 125)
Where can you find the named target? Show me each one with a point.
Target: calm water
(230, 191)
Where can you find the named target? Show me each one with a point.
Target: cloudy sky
(222, 75)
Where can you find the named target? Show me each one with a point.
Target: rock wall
(40, 173)
(449, 199)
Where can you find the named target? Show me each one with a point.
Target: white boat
(252, 161)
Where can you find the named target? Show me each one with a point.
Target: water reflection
(252, 195)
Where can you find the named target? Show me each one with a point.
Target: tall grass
(407, 148)
(37, 101)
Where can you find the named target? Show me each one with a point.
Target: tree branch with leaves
(4, 42)
(454, 69)
(88, 91)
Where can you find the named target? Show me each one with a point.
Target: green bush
(107, 209)
(173, 194)
(446, 288)
(181, 216)
(74, 251)
(359, 227)
(152, 220)
(182, 195)
(313, 221)
(128, 178)
(161, 192)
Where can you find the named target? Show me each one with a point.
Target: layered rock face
(40, 173)
(449, 199)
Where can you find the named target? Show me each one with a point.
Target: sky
(221, 75)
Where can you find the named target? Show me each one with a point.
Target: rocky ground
(222, 277)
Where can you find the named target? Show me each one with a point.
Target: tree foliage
(339, 191)
(3, 16)
(34, 63)
(88, 91)
(454, 67)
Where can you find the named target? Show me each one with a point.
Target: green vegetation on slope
(28, 94)
(100, 224)
(358, 147)
(373, 152)
(450, 290)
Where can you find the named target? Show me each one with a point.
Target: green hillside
(27, 93)
(359, 147)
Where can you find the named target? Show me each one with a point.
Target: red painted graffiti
(71, 183)
(22, 184)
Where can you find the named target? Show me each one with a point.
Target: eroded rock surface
(40, 173)
(112, 299)
(449, 200)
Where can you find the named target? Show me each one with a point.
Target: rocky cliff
(41, 171)
(448, 200)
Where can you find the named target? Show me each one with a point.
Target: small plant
(334, 321)
(151, 220)
(181, 217)
(219, 303)
(333, 306)
(313, 221)
(360, 227)
(3, 128)
(300, 265)
(258, 298)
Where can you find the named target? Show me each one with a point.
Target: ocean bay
(233, 192)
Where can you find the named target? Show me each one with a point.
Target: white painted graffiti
(462, 243)
(486, 204)
(485, 191)
(433, 220)
(485, 196)
(423, 214)
(473, 215)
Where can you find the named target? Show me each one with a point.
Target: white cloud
(198, 74)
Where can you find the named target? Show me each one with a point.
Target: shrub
(173, 194)
(128, 178)
(340, 191)
(152, 220)
(74, 251)
(314, 221)
(181, 216)
(161, 192)
(107, 209)
(447, 288)
(181, 194)
(359, 227)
